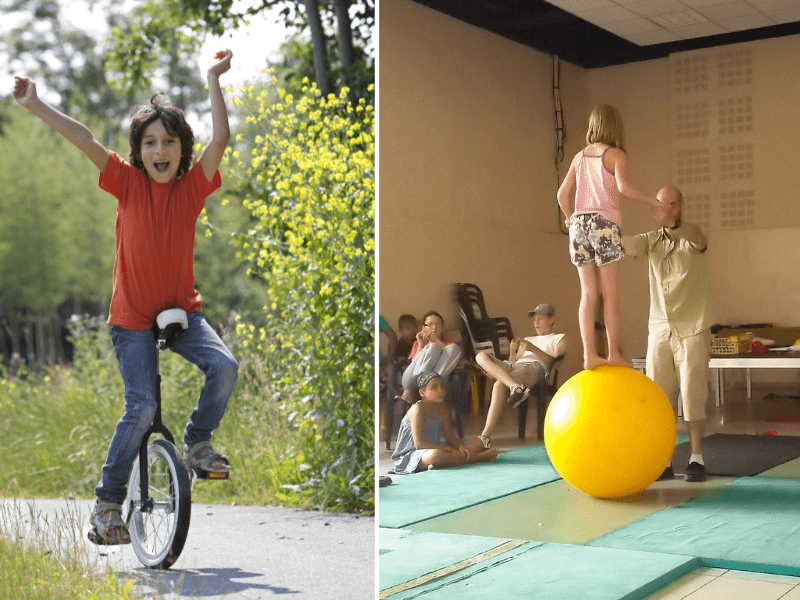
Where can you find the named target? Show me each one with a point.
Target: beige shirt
(679, 296)
(546, 343)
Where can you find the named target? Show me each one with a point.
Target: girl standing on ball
(590, 199)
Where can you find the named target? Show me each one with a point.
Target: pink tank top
(597, 189)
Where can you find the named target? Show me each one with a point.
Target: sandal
(202, 456)
(106, 526)
(485, 441)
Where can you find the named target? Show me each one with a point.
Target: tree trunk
(345, 39)
(318, 46)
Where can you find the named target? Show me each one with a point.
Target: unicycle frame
(165, 501)
(159, 499)
(157, 427)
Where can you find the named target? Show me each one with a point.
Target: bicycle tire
(158, 537)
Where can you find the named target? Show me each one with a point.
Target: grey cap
(543, 309)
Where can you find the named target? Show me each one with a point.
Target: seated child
(430, 352)
(426, 439)
(408, 328)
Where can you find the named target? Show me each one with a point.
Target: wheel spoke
(154, 533)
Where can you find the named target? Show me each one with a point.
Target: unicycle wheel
(159, 526)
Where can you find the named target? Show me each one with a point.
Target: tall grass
(55, 426)
(46, 562)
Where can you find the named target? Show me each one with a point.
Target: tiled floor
(721, 584)
(739, 415)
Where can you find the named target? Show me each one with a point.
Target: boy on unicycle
(160, 193)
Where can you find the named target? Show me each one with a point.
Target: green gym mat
(413, 498)
(753, 524)
(556, 572)
(407, 555)
(557, 512)
(736, 455)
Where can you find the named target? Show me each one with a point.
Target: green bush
(305, 170)
(55, 428)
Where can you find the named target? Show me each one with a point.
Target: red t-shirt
(154, 262)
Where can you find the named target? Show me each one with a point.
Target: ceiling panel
(625, 30)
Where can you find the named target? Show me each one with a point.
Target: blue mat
(558, 572)
(407, 555)
(753, 524)
(421, 496)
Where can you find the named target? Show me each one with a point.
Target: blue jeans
(137, 356)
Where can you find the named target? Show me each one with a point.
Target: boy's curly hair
(174, 122)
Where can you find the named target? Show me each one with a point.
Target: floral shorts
(594, 239)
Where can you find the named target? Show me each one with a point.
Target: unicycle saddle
(168, 326)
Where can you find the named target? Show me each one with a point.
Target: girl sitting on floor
(426, 439)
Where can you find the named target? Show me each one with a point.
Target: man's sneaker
(695, 472)
(667, 474)
(517, 394)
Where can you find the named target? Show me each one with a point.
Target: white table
(768, 361)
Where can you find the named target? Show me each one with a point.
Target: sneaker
(695, 472)
(528, 393)
(517, 394)
(667, 474)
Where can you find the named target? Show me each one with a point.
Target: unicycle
(159, 502)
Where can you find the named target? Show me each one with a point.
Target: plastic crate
(735, 344)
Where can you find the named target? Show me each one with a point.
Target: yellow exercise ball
(610, 431)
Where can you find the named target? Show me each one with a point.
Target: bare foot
(590, 362)
(618, 359)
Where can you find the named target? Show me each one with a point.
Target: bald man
(679, 337)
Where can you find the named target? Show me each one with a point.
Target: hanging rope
(559, 114)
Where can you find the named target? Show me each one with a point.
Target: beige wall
(467, 180)
(753, 272)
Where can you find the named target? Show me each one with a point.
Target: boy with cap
(528, 362)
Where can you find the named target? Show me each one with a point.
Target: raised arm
(212, 155)
(692, 234)
(624, 182)
(77, 133)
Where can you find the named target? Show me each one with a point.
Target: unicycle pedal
(201, 474)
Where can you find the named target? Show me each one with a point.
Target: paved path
(232, 552)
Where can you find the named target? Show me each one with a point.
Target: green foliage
(156, 39)
(55, 428)
(58, 236)
(160, 25)
(306, 173)
(220, 276)
(297, 61)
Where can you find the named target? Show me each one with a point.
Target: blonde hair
(605, 126)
